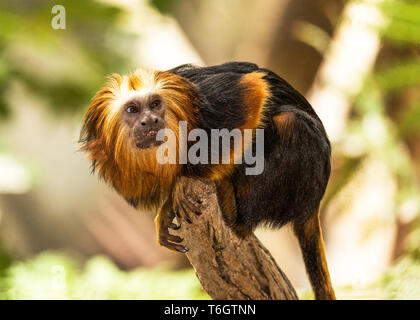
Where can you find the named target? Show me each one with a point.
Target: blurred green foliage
(163, 6)
(384, 116)
(404, 21)
(399, 74)
(53, 275)
(401, 282)
(67, 66)
(401, 70)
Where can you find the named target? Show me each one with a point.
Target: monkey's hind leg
(313, 251)
(227, 203)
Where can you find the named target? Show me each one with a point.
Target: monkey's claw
(173, 226)
(170, 241)
(182, 213)
(187, 206)
(192, 206)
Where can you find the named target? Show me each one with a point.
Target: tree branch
(227, 266)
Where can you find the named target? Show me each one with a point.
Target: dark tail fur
(312, 246)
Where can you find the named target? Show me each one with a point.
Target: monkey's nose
(149, 121)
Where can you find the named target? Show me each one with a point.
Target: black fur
(296, 169)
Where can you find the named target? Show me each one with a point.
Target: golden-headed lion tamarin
(123, 121)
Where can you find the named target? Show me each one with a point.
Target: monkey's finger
(185, 214)
(192, 207)
(174, 238)
(173, 246)
(171, 215)
(173, 226)
(195, 198)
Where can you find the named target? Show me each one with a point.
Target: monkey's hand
(164, 222)
(185, 201)
(181, 203)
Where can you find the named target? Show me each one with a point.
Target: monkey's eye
(155, 104)
(131, 109)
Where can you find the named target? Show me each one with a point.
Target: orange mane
(134, 173)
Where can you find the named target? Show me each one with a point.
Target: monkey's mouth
(150, 133)
(147, 139)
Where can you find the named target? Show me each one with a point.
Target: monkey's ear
(134, 202)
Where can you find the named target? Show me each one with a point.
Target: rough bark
(228, 267)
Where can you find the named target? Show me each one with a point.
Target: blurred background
(64, 234)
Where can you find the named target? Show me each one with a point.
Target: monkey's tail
(313, 252)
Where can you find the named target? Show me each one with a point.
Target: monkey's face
(144, 117)
(120, 128)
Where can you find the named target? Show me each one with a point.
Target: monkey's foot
(170, 241)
